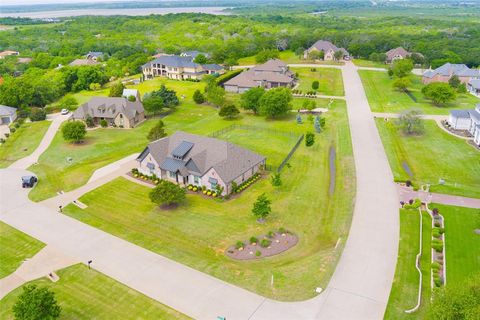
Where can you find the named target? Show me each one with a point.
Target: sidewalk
(406, 193)
(40, 265)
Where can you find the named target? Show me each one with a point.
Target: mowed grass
(198, 232)
(88, 294)
(288, 57)
(275, 145)
(404, 293)
(462, 243)
(15, 247)
(369, 64)
(22, 142)
(330, 80)
(431, 156)
(100, 147)
(382, 97)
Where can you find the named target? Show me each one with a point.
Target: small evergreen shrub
(265, 243)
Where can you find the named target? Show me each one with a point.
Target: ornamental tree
(153, 104)
(74, 131)
(276, 102)
(229, 112)
(198, 97)
(315, 85)
(401, 84)
(309, 139)
(36, 304)
(200, 58)
(410, 122)
(167, 193)
(261, 208)
(157, 132)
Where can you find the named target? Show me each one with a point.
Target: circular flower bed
(267, 245)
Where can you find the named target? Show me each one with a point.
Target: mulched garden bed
(280, 242)
(461, 133)
(141, 179)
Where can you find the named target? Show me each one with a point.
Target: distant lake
(114, 12)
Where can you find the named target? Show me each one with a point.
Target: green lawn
(405, 284)
(88, 294)
(330, 80)
(198, 232)
(383, 98)
(462, 243)
(22, 142)
(287, 57)
(433, 155)
(368, 63)
(15, 246)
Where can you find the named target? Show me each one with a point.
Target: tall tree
(36, 303)
(198, 97)
(439, 92)
(153, 104)
(250, 99)
(116, 90)
(401, 84)
(276, 102)
(200, 58)
(265, 55)
(402, 67)
(338, 55)
(74, 131)
(215, 95)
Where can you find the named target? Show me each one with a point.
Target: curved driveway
(359, 288)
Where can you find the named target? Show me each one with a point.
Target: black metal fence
(290, 154)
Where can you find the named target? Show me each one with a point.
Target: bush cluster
(413, 204)
(247, 183)
(138, 174)
(193, 188)
(297, 91)
(437, 245)
(210, 193)
(265, 243)
(311, 93)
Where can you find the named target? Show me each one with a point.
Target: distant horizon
(40, 2)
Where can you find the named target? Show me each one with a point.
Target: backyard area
(330, 80)
(404, 293)
(22, 142)
(382, 97)
(288, 57)
(369, 63)
(198, 232)
(88, 294)
(16, 246)
(432, 156)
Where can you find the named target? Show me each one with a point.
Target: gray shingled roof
(228, 160)
(392, 53)
(475, 83)
(464, 114)
(323, 45)
(273, 70)
(7, 111)
(181, 62)
(449, 69)
(108, 107)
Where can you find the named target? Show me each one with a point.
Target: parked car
(64, 111)
(28, 181)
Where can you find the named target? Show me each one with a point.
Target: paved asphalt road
(359, 288)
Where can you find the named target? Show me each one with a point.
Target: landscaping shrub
(17, 124)
(37, 114)
(265, 243)
(408, 183)
(435, 211)
(437, 245)
(239, 245)
(12, 129)
(253, 240)
(309, 139)
(258, 253)
(413, 204)
(103, 123)
(282, 230)
(270, 234)
(436, 266)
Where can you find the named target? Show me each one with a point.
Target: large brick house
(448, 70)
(185, 159)
(117, 111)
(179, 68)
(273, 73)
(328, 50)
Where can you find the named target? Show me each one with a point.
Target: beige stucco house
(119, 112)
(179, 68)
(185, 159)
